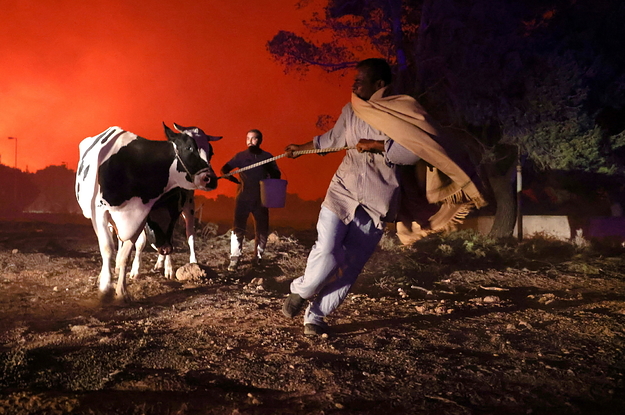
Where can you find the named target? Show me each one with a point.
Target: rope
(192, 176)
(296, 153)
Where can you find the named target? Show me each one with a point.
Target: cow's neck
(179, 178)
(192, 176)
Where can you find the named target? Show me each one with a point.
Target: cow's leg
(164, 261)
(189, 221)
(120, 243)
(160, 263)
(191, 242)
(142, 241)
(169, 268)
(120, 292)
(107, 248)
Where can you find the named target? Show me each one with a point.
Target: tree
(525, 77)
(55, 190)
(347, 32)
(16, 191)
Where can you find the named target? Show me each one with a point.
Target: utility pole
(16, 174)
(519, 189)
(15, 138)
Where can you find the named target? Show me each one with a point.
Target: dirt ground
(541, 337)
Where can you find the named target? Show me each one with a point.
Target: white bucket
(273, 193)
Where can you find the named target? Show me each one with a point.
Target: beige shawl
(403, 119)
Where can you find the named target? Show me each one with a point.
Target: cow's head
(194, 152)
(201, 138)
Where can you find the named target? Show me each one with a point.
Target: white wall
(555, 226)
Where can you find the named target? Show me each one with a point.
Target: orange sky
(70, 68)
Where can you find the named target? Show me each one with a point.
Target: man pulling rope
(364, 193)
(296, 153)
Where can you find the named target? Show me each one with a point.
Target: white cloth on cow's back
(93, 152)
(249, 188)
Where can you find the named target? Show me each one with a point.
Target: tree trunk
(500, 175)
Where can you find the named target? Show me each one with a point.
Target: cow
(159, 230)
(121, 176)
(163, 217)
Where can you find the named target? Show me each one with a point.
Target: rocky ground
(445, 327)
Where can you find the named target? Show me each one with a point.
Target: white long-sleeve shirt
(366, 179)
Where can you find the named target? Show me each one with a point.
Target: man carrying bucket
(382, 132)
(248, 199)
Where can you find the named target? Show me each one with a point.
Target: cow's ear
(168, 132)
(214, 138)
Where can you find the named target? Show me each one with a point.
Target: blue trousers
(335, 261)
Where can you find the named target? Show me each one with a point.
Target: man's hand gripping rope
(289, 153)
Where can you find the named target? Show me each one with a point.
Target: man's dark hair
(258, 133)
(378, 69)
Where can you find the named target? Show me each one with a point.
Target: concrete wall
(555, 226)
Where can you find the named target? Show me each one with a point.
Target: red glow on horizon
(71, 69)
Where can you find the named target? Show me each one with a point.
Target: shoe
(292, 305)
(257, 261)
(234, 263)
(315, 329)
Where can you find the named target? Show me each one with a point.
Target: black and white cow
(121, 176)
(163, 217)
(159, 230)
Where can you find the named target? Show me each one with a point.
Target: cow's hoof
(122, 296)
(107, 296)
(123, 299)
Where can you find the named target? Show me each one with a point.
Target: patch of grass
(433, 258)
(465, 247)
(546, 248)
(582, 268)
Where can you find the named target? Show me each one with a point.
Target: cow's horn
(179, 128)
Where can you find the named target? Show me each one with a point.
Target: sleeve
(272, 168)
(230, 165)
(395, 153)
(227, 168)
(234, 162)
(336, 137)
